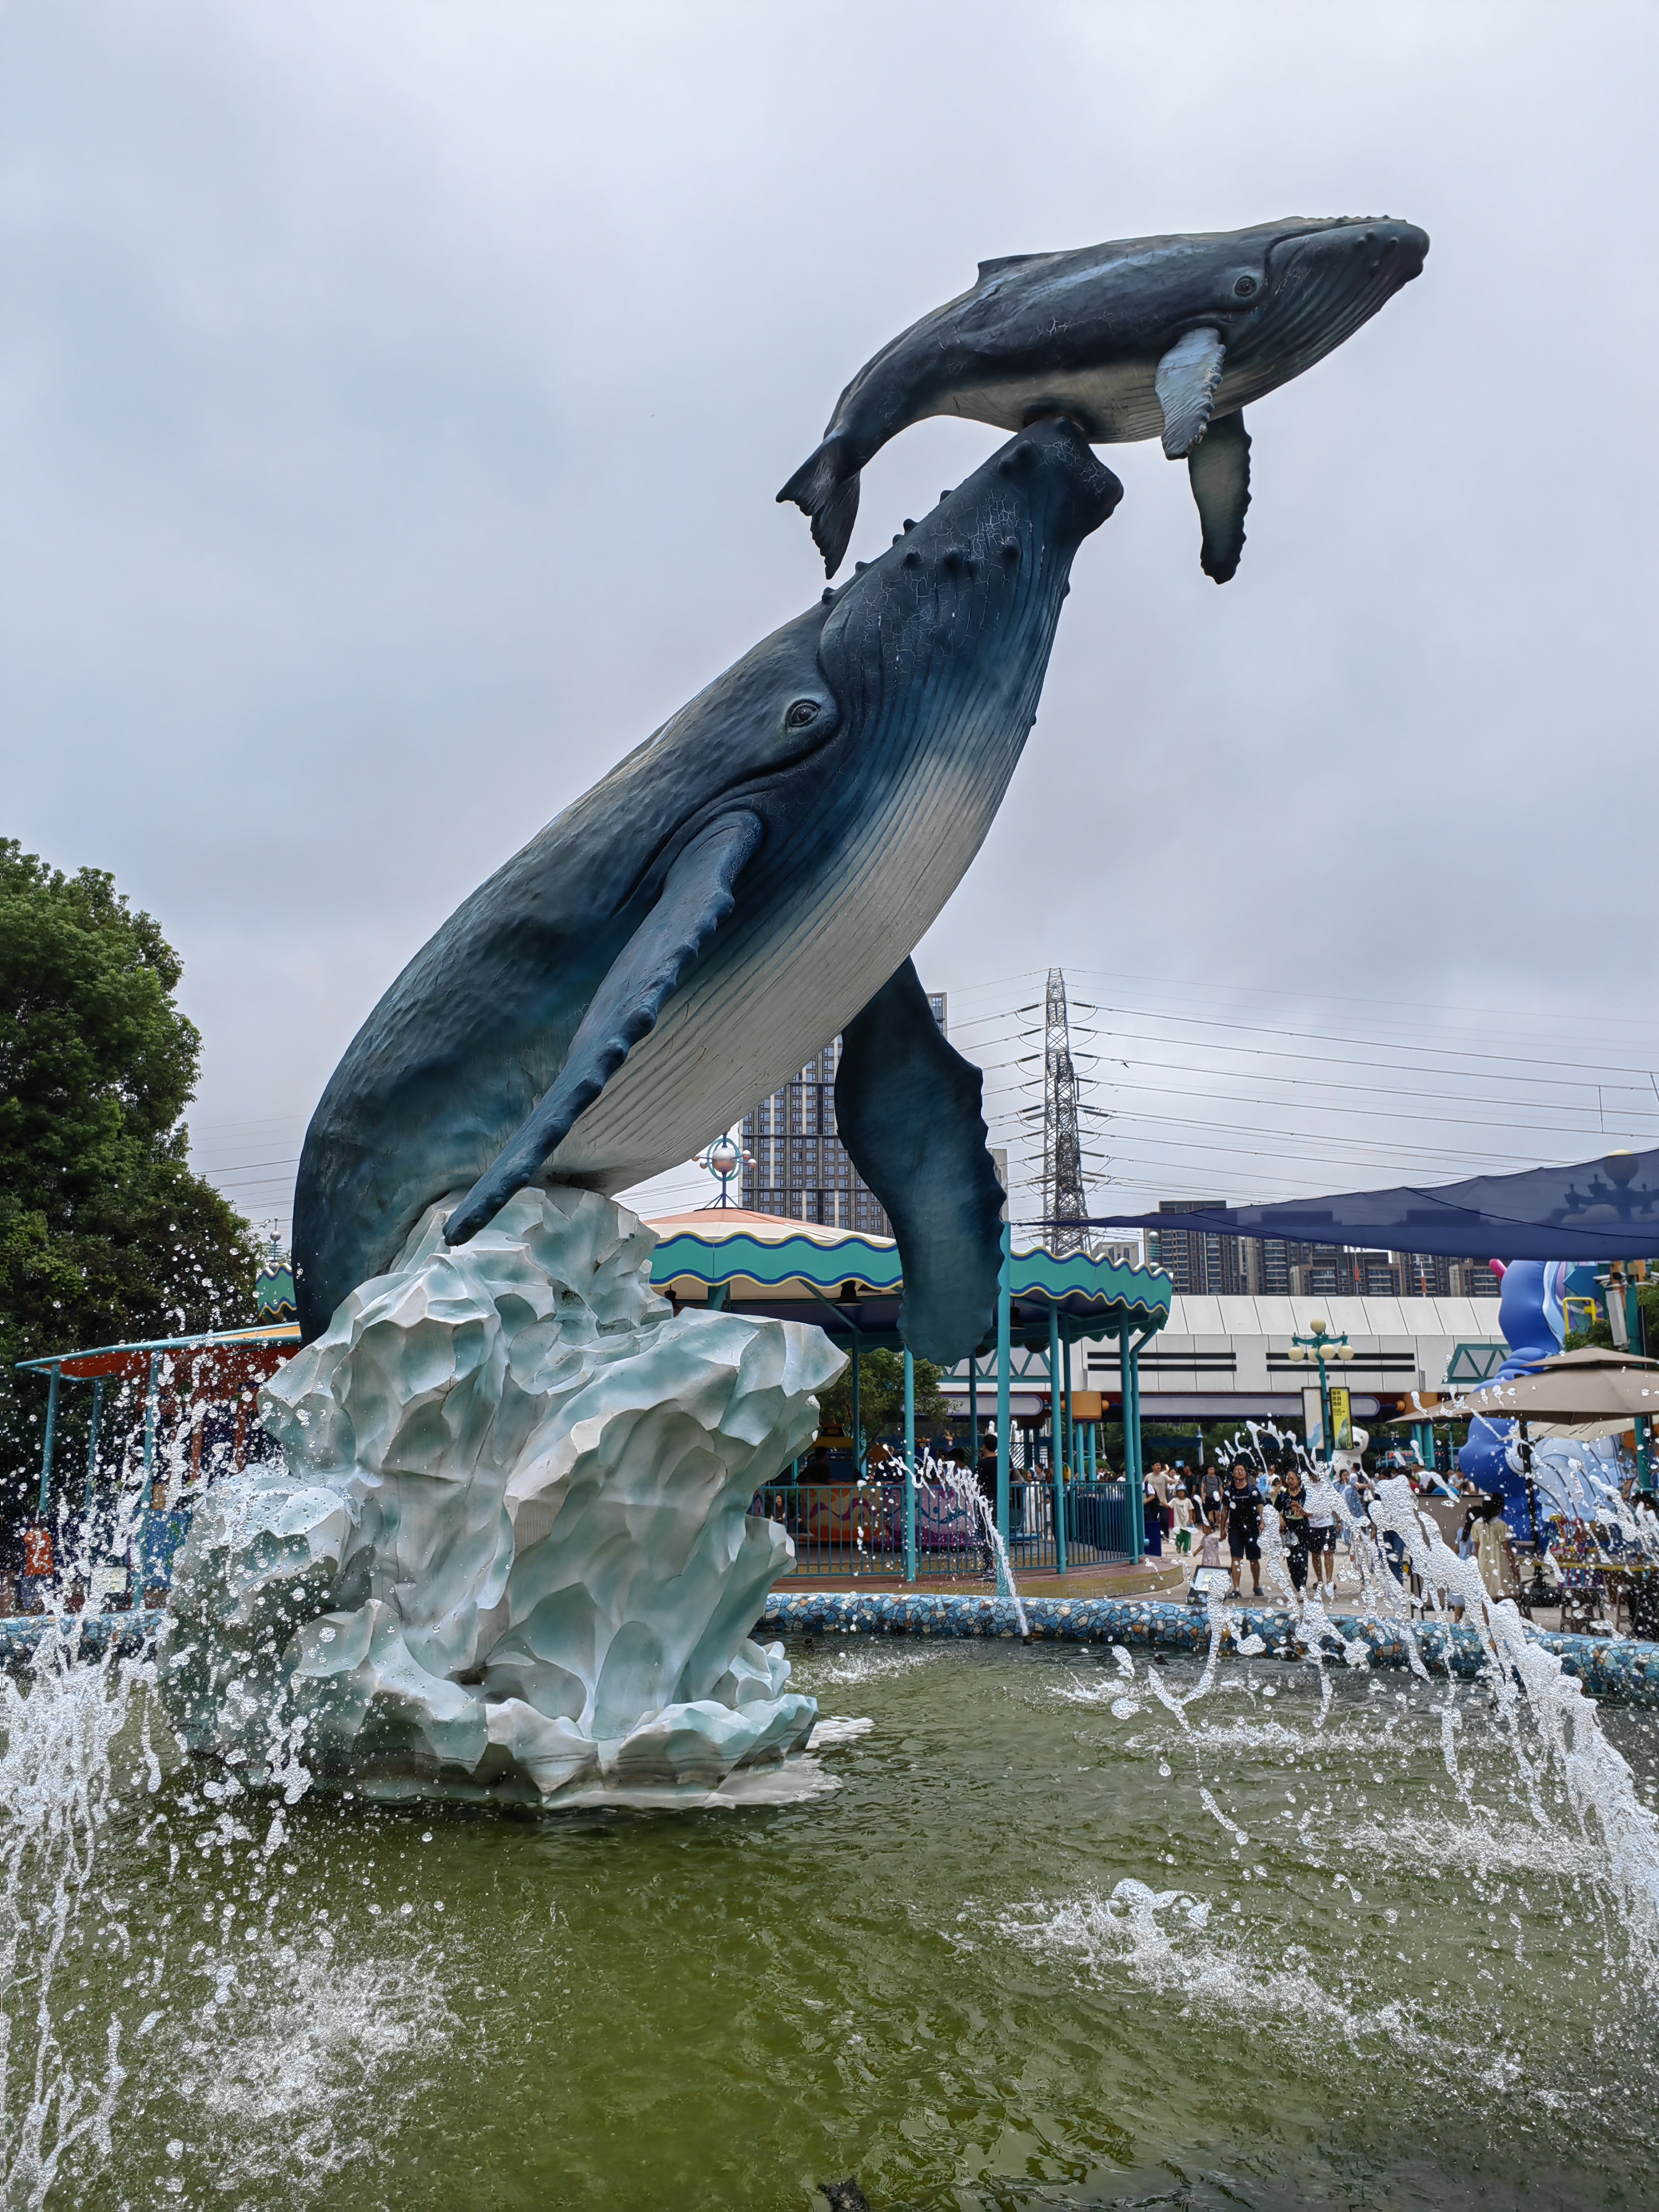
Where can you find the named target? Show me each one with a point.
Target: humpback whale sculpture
(730, 895)
(1142, 337)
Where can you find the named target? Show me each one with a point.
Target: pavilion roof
(849, 1282)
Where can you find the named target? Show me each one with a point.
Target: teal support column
(1056, 1396)
(152, 1412)
(1057, 1436)
(1074, 1440)
(1127, 1386)
(152, 1408)
(909, 1468)
(973, 1409)
(1005, 1361)
(92, 1433)
(717, 1296)
(1133, 1471)
(1644, 1451)
(858, 1418)
(1324, 1409)
(51, 1438)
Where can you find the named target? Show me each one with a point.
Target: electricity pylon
(1065, 1201)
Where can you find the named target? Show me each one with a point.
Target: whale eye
(802, 715)
(1243, 287)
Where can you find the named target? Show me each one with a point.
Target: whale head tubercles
(950, 626)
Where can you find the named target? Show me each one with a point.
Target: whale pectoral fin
(1185, 382)
(1219, 470)
(907, 1110)
(698, 893)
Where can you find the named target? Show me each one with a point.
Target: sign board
(1313, 1419)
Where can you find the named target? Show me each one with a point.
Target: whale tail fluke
(826, 488)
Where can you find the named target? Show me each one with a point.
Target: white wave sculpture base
(509, 1556)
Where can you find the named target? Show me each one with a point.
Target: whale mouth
(1323, 284)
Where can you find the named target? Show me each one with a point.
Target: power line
(1378, 1044)
(1526, 1014)
(1331, 1059)
(1432, 1120)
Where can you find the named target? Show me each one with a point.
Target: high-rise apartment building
(1203, 1266)
(800, 1167)
(1200, 1265)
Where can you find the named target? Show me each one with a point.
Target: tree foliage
(1599, 1331)
(881, 1398)
(105, 1235)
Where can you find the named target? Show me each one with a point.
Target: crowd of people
(1211, 1517)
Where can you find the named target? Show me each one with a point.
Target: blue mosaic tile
(125, 1634)
(1609, 1667)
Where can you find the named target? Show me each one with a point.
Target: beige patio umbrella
(1580, 1395)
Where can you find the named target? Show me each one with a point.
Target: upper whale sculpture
(1142, 337)
(748, 882)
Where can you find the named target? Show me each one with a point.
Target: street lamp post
(1322, 1345)
(725, 1158)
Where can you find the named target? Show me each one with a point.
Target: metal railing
(844, 1530)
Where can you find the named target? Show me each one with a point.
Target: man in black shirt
(1209, 1499)
(1242, 1504)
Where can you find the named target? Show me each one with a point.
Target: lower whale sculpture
(510, 1556)
(722, 902)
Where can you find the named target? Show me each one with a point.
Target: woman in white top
(1321, 1535)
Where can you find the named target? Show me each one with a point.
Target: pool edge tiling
(1616, 1667)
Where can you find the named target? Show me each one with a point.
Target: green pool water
(1399, 1995)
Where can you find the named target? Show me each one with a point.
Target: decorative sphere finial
(724, 1159)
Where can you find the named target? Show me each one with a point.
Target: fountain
(1089, 1918)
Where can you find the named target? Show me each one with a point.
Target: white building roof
(1469, 1319)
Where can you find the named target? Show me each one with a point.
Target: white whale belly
(776, 985)
(1116, 403)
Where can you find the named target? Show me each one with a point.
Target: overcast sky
(394, 396)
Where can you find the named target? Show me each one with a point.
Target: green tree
(1600, 1332)
(881, 1398)
(105, 1235)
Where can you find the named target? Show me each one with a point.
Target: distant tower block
(794, 1162)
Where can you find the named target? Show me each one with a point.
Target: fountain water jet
(950, 1476)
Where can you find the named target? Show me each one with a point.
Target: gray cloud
(393, 397)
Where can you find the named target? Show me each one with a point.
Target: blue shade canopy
(1601, 1209)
